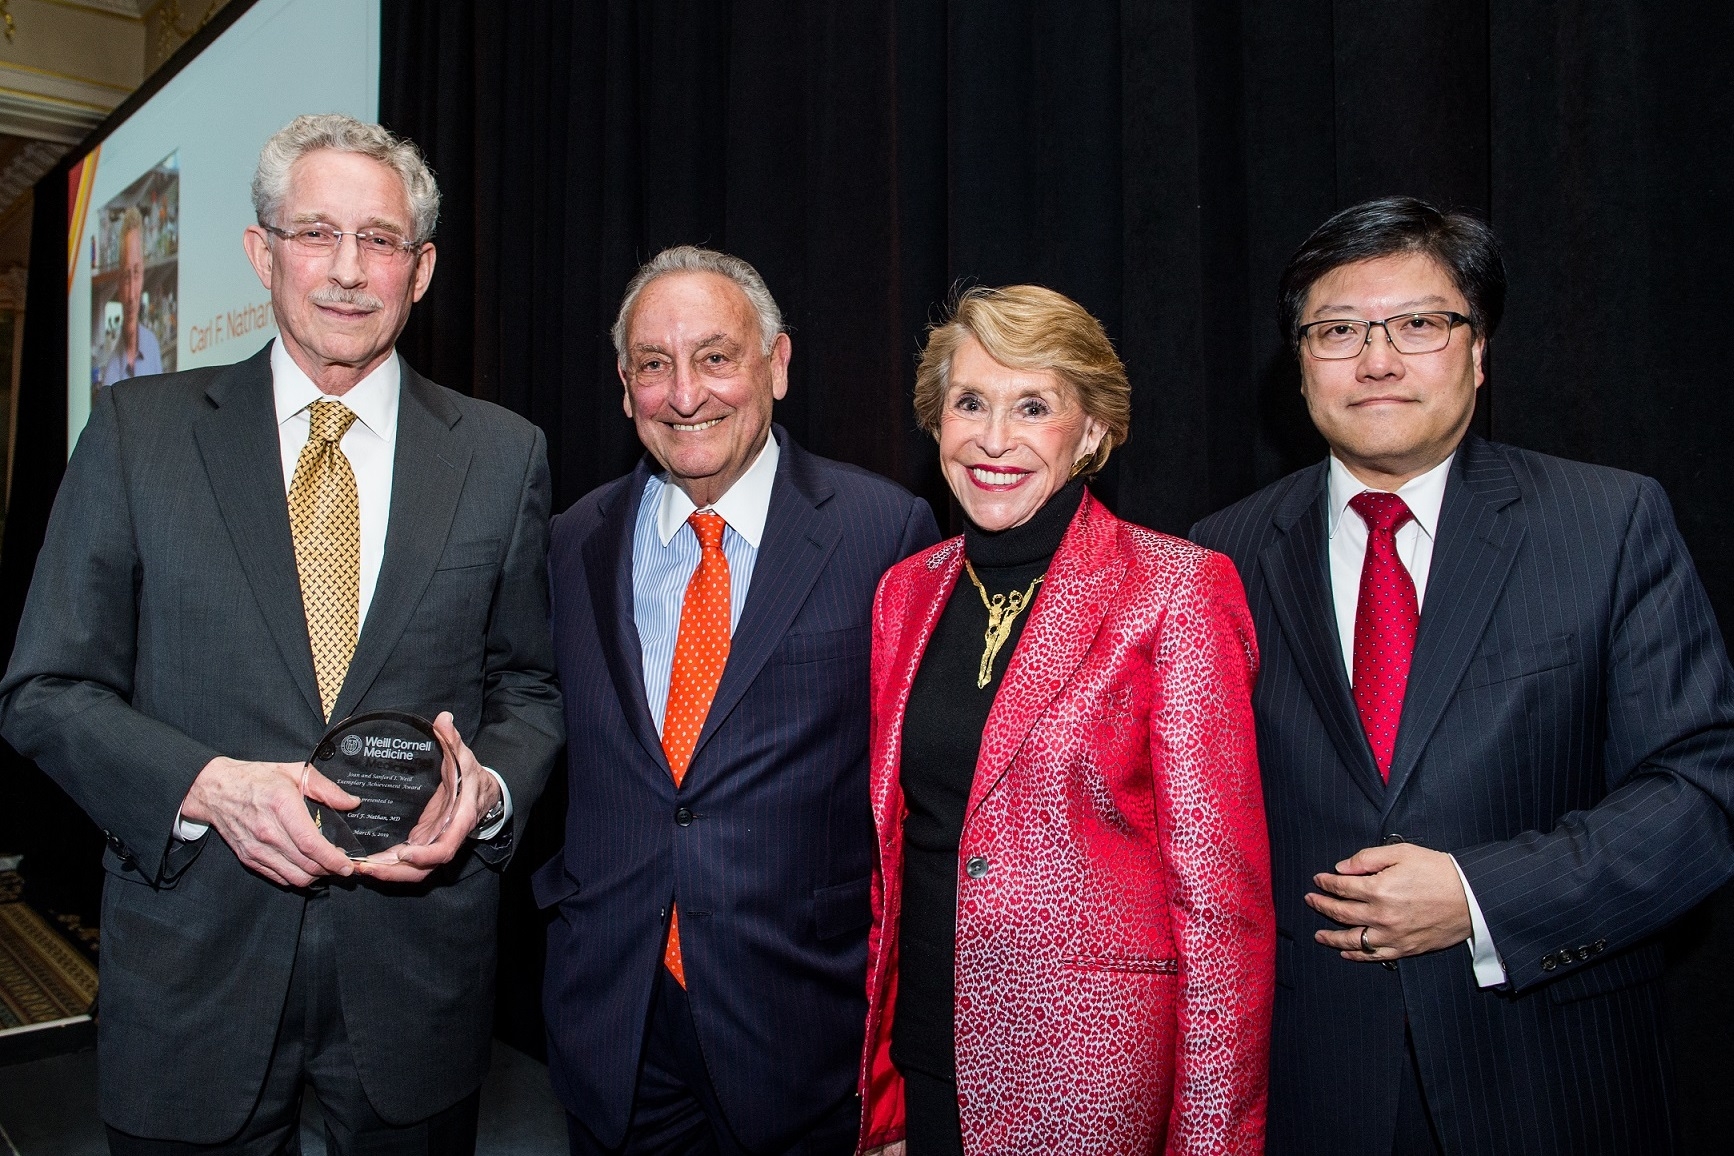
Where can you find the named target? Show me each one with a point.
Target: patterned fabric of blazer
(165, 627)
(768, 843)
(1567, 734)
(1114, 928)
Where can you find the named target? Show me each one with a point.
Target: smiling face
(1008, 437)
(1391, 416)
(339, 314)
(699, 384)
(131, 283)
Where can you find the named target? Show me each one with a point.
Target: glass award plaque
(394, 763)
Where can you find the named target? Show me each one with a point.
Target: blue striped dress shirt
(665, 552)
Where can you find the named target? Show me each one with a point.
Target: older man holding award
(259, 584)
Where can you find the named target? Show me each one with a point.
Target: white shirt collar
(373, 399)
(744, 507)
(1424, 494)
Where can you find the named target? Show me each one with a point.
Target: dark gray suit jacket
(164, 627)
(1567, 734)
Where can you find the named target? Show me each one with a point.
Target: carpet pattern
(43, 978)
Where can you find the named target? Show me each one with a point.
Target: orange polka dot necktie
(1387, 618)
(325, 522)
(701, 650)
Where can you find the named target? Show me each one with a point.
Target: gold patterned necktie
(325, 519)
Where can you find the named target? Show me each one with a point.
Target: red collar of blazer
(1087, 568)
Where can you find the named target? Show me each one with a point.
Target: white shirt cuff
(188, 831)
(496, 827)
(1489, 969)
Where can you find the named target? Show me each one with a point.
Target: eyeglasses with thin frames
(1337, 339)
(321, 240)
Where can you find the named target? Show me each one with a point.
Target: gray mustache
(353, 297)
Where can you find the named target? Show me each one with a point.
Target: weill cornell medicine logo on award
(394, 763)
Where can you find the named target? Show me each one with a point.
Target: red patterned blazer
(1115, 940)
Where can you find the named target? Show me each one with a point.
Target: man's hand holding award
(463, 794)
(385, 794)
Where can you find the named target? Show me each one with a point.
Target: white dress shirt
(370, 444)
(1425, 497)
(665, 552)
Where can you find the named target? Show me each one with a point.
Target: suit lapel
(930, 588)
(1296, 570)
(799, 539)
(238, 443)
(608, 568)
(428, 470)
(1478, 542)
(1086, 570)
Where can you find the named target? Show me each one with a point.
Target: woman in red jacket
(1072, 943)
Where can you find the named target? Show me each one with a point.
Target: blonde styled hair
(1030, 328)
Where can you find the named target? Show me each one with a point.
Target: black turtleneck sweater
(941, 742)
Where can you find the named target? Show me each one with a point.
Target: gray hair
(692, 259)
(334, 130)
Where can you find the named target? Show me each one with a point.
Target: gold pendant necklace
(1002, 611)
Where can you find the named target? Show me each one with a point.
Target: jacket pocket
(843, 908)
(552, 884)
(473, 553)
(1520, 661)
(117, 869)
(825, 646)
(1136, 964)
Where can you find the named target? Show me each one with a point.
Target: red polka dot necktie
(1387, 618)
(701, 650)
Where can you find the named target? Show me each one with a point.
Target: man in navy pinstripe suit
(1496, 728)
(712, 623)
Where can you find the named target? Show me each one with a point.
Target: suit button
(976, 867)
(683, 817)
(1548, 963)
(1393, 839)
(1598, 946)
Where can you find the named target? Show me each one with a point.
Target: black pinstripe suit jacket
(772, 865)
(1567, 734)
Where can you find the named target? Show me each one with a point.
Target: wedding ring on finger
(1366, 947)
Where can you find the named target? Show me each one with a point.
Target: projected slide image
(168, 189)
(135, 278)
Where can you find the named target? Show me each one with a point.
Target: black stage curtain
(1157, 161)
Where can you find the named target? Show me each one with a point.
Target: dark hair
(1463, 244)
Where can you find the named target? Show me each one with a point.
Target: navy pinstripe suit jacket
(1567, 734)
(771, 870)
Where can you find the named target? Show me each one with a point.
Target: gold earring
(1080, 466)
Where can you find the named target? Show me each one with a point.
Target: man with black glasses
(1496, 730)
(239, 557)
